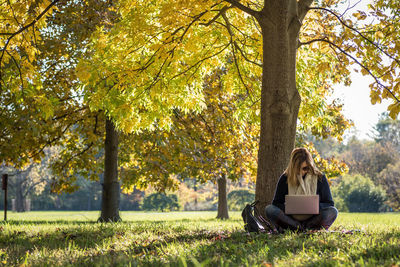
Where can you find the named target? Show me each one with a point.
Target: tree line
(369, 183)
(372, 182)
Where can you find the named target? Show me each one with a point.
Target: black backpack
(253, 220)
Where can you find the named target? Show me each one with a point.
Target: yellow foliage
(379, 35)
(394, 110)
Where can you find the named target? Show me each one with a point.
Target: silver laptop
(301, 204)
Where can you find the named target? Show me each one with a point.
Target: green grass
(191, 239)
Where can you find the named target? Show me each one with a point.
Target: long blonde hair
(298, 156)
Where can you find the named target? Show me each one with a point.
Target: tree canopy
(143, 62)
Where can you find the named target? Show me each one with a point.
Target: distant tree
(369, 158)
(24, 182)
(359, 194)
(160, 201)
(388, 131)
(237, 199)
(86, 197)
(30, 180)
(132, 200)
(329, 147)
(389, 179)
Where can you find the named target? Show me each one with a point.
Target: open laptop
(301, 204)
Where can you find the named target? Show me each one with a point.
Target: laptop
(301, 204)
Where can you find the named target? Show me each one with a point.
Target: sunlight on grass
(191, 238)
(125, 215)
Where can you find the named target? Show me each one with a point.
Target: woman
(301, 177)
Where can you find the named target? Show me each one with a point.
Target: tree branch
(244, 8)
(229, 26)
(33, 22)
(13, 12)
(201, 61)
(215, 17)
(88, 146)
(356, 61)
(30, 187)
(357, 31)
(19, 70)
(12, 35)
(196, 18)
(234, 55)
(246, 58)
(51, 141)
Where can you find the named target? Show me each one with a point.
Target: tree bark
(19, 196)
(222, 199)
(280, 100)
(111, 189)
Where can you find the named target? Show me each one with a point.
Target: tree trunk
(89, 201)
(57, 202)
(111, 190)
(195, 198)
(280, 100)
(222, 199)
(19, 196)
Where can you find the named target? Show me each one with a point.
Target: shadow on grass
(386, 255)
(19, 238)
(211, 248)
(66, 222)
(175, 243)
(56, 237)
(45, 222)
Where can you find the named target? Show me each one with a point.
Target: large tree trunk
(280, 100)
(111, 190)
(222, 199)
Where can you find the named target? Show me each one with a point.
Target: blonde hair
(298, 156)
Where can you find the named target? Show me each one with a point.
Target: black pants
(324, 219)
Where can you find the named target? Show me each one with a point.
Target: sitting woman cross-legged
(301, 177)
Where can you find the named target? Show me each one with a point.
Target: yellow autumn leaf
(364, 71)
(360, 15)
(324, 66)
(375, 97)
(379, 35)
(394, 110)
(396, 87)
(82, 72)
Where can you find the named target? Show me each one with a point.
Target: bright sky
(357, 106)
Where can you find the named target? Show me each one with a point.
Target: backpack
(253, 221)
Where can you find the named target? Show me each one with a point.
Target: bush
(161, 202)
(237, 199)
(358, 194)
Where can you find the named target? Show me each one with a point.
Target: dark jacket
(323, 190)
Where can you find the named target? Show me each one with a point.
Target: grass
(191, 239)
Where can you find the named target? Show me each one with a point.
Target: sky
(357, 106)
(355, 98)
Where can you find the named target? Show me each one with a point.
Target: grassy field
(191, 239)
